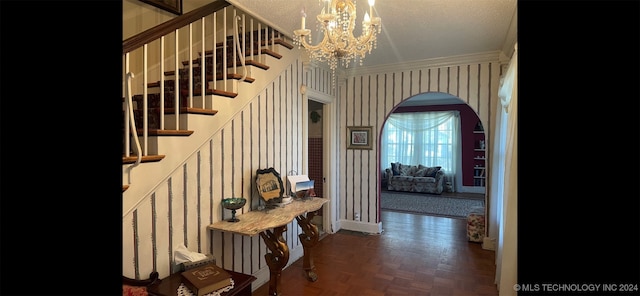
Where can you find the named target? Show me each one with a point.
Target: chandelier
(337, 21)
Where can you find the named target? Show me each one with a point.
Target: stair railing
(131, 119)
(148, 56)
(238, 47)
(136, 48)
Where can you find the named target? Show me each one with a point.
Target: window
(426, 138)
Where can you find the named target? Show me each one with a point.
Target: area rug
(433, 205)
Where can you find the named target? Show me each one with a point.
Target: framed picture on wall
(173, 6)
(359, 137)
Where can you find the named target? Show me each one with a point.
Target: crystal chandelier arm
(369, 33)
(324, 19)
(339, 44)
(308, 46)
(303, 41)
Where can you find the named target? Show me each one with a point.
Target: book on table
(206, 279)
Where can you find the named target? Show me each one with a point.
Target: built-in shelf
(479, 157)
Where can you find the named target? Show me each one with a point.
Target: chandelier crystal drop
(337, 21)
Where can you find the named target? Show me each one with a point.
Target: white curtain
(504, 184)
(426, 138)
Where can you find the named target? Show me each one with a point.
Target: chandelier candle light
(337, 20)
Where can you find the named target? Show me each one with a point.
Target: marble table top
(254, 222)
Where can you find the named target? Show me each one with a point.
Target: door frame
(329, 153)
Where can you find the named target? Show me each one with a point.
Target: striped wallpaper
(268, 133)
(368, 99)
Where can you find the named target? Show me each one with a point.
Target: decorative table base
(277, 259)
(309, 239)
(261, 222)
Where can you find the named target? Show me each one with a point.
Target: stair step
(198, 92)
(283, 43)
(212, 73)
(184, 92)
(271, 53)
(166, 133)
(255, 64)
(230, 65)
(231, 76)
(147, 158)
(209, 77)
(209, 53)
(189, 110)
(153, 101)
(278, 41)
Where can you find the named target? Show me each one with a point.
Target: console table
(262, 222)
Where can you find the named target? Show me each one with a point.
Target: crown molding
(492, 56)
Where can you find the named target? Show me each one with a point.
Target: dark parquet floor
(415, 255)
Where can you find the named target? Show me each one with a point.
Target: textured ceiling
(411, 29)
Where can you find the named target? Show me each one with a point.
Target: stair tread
(210, 91)
(278, 41)
(165, 132)
(232, 76)
(145, 158)
(230, 65)
(197, 92)
(271, 53)
(186, 110)
(210, 77)
(190, 110)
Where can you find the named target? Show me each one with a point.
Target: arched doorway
(471, 175)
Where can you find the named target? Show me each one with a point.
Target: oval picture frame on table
(270, 188)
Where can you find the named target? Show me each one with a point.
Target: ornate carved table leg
(277, 259)
(308, 239)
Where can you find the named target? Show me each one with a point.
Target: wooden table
(169, 285)
(261, 223)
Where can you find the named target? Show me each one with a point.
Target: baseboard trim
(489, 243)
(361, 226)
(262, 277)
(473, 189)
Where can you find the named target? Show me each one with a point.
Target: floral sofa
(414, 178)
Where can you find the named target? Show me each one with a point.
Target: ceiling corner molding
(504, 59)
(492, 56)
(512, 36)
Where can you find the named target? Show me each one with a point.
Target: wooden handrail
(165, 28)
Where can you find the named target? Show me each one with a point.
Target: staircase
(212, 78)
